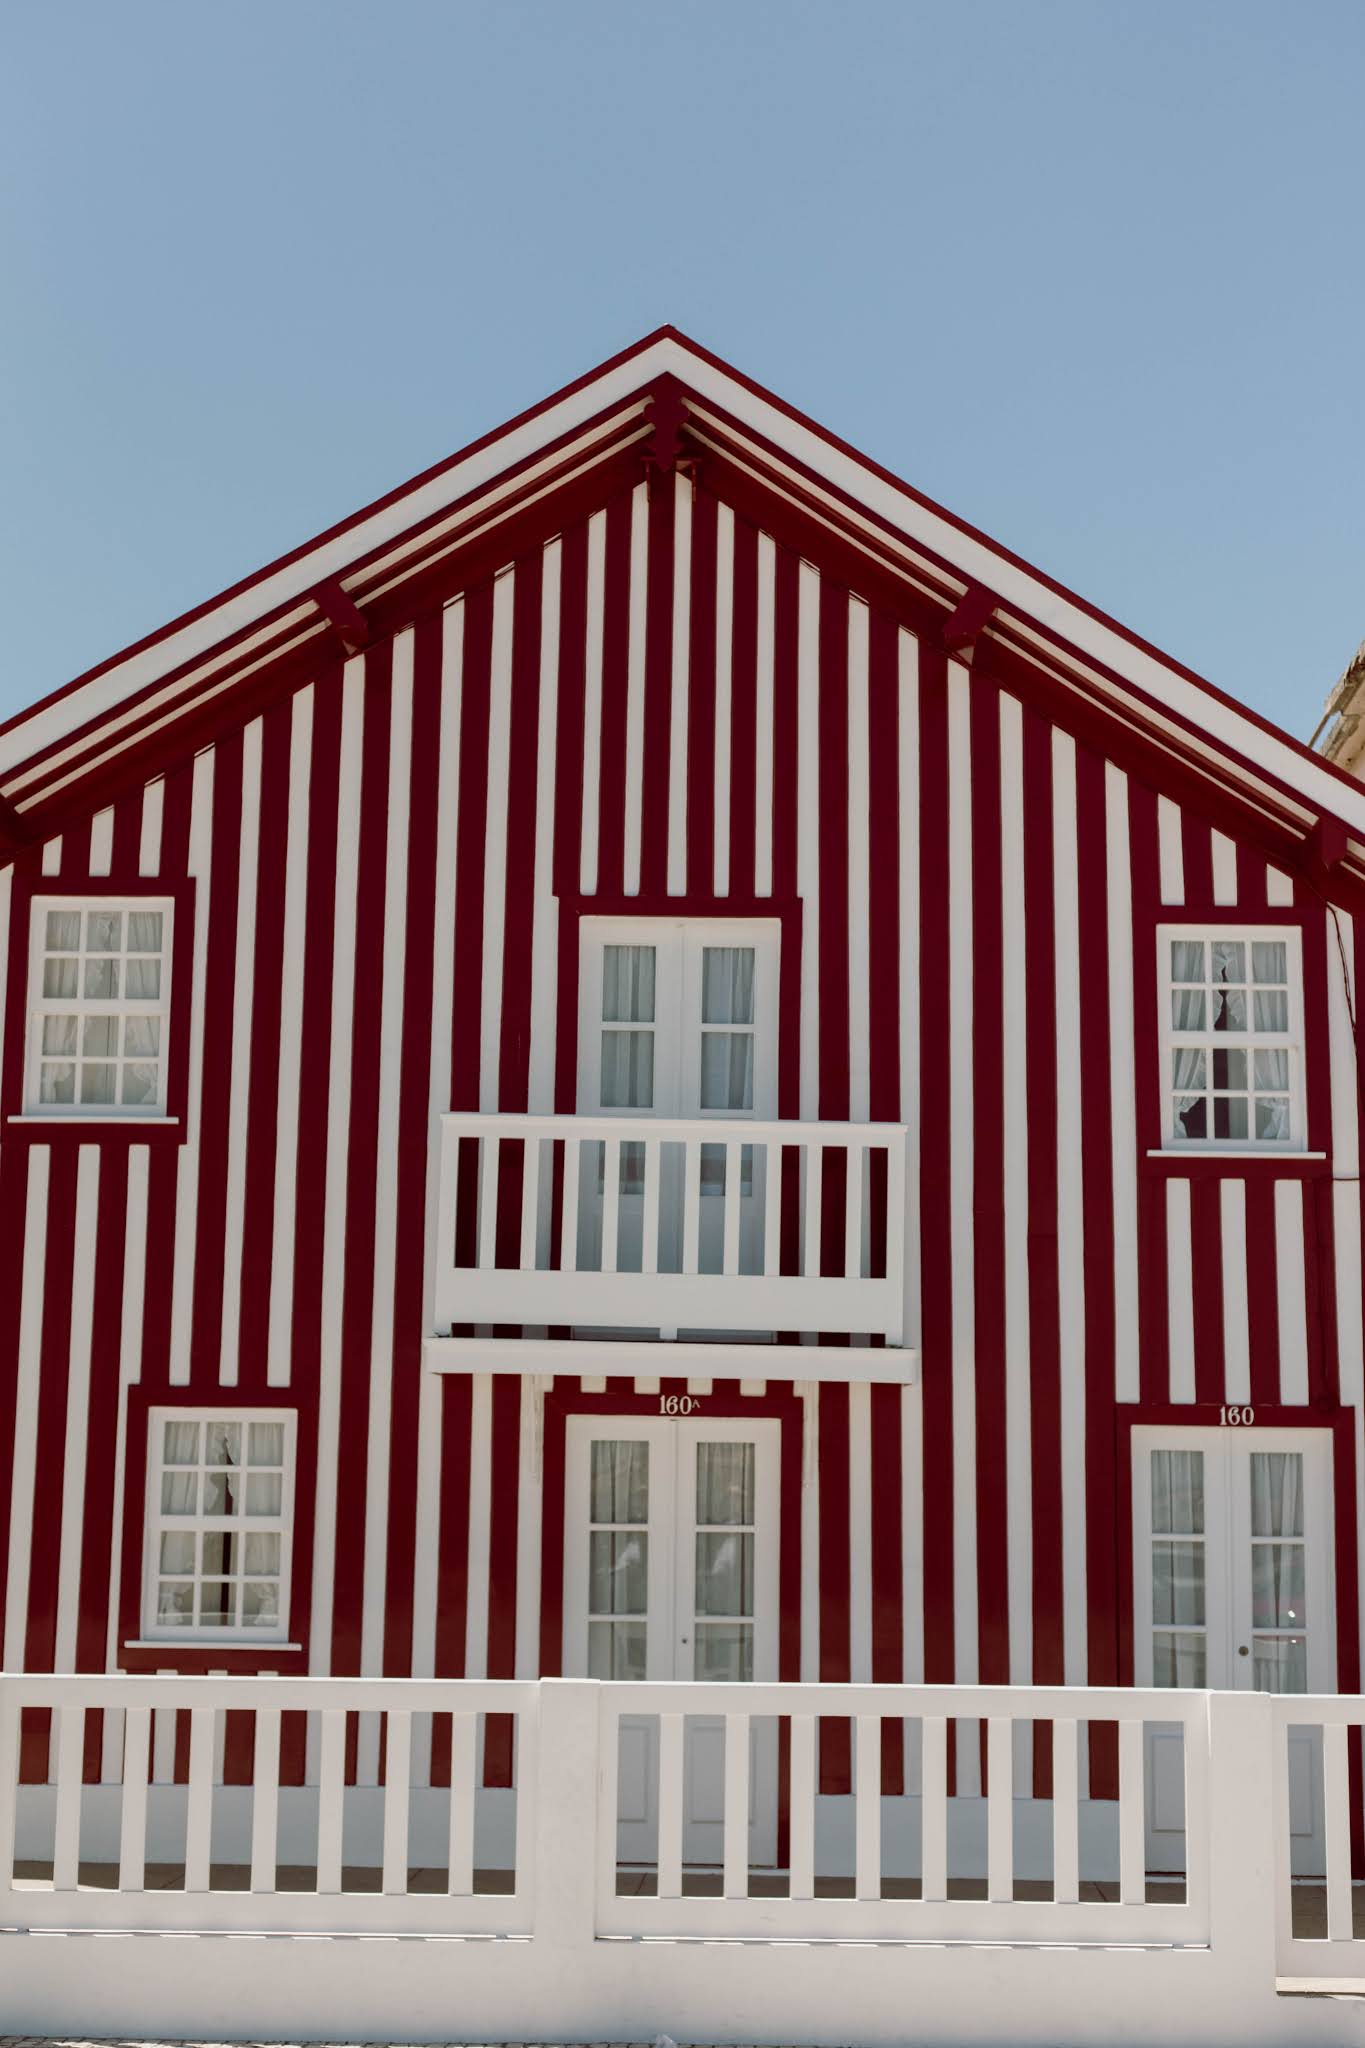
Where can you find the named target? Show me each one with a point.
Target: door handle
(1242, 1650)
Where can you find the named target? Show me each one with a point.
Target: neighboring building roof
(664, 400)
(1340, 736)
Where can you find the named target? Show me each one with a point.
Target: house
(680, 1238)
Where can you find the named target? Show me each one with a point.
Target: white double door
(677, 1020)
(1234, 1592)
(671, 1564)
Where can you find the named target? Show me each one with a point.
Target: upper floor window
(219, 1523)
(1232, 1037)
(99, 983)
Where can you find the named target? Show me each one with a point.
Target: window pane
(220, 1551)
(59, 977)
(260, 1604)
(179, 1493)
(1272, 1120)
(1271, 1068)
(1279, 1663)
(1229, 1117)
(101, 980)
(727, 985)
(1187, 1009)
(725, 1483)
(142, 980)
(727, 1070)
(222, 1443)
(1277, 1493)
(97, 1083)
(618, 1571)
(264, 1493)
(1178, 1660)
(1189, 1069)
(59, 1034)
(1191, 1116)
(180, 1443)
(216, 1603)
(724, 1653)
(1230, 1009)
(261, 1553)
(1229, 1067)
(63, 931)
(619, 1482)
(1229, 961)
(725, 1572)
(627, 1069)
(616, 1650)
(57, 1084)
(1269, 960)
(1178, 1583)
(1271, 1010)
(141, 1037)
(627, 984)
(265, 1443)
(100, 1037)
(175, 1605)
(1277, 1594)
(177, 1550)
(1178, 1493)
(103, 931)
(1187, 960)
(144, 931)
(220, 1493)
(139, 1083)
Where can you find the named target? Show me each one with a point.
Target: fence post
(564, 1911)
(1242, 1848)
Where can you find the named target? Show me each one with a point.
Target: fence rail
(637, 1222)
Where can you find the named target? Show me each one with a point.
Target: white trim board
(854, 1365)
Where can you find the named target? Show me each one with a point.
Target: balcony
(518, 1861)
(646, 1225)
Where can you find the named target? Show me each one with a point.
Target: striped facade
(674, 697)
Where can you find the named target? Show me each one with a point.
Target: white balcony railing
(500, 1816)
(622, 1223)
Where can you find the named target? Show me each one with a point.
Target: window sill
(203, 1644)
(25, 1128)
(1227, 1161)
(117, 1123)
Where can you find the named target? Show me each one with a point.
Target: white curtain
(619, 1484)
(1277, 1493)
(1269, 960)
(727, 985)
(627, 984)
(725, 1572)
(1187, 1009)
(63, 931)
(627, 1069)
(618, 1568)
(1178, 1493)
(725, 1484)
(727, 1070)
(144, 931)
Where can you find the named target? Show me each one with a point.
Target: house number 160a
(678, 1404)
(1236, 1418)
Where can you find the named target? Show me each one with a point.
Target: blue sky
(1091, 275)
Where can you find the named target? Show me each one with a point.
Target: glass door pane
(1179, 1613)
(618, 1559)
(725, 1535)
(1279, 1616)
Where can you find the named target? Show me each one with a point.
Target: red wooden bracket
(1325, 847)
(968, 621)
(350, 622)
(666, 411)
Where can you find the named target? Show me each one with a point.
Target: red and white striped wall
(664, 705)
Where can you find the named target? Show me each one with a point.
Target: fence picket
(331, 1798)
(802, 1854)
(137, 1757)
(199, 1801)
(1000, 1809)
(670, 1805)
(867, 1788)
(265, 1800)
(1132, 1814)
(397, 1781)
(934, 1807)
(1336, 1817)
(463, 1750)
(736, 1884)
(66, 1827)
(1066, 1845)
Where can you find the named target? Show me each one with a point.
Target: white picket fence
(541, 1927)
(690, 1235)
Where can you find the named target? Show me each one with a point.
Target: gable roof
(664, 399)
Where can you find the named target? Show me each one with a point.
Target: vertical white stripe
(52, 856)
(592, 704)
(912, 1403)
(433, 1385)
(1346, 1165)
(808, 1393)
(495, 842)
(678, 708)
(1236, 1319)
(386, 1174)
(961, 1189)
(529, 1486)
(860, 1532)
(859, 879)
(1018, 1335)
(545, 912)
(1180, 1289)
(338, 1162)
(1293, 1299)
(807, 844)
(6, 893)
(102, 842)
(24, 1435)
(1340, 937)
(1171, 851)
(763, 718)
(280, 1331)
(1279, 888)
(1070, 1207)
(73, 1494)
(129, 1372)
(480, 1502)
(1122, 1085)
(1224, 855)
(725, 618)
(149, 843)
(239, 1085)
(912, 1534)
(199, 864)
(635, 685)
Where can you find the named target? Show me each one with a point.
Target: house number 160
(1236, 1418)
(678, 1404)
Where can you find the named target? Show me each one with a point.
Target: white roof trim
(974, 559)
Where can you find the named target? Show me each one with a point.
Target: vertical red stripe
(1153, 1288)
(164, 1163)
(743, 709)
(611, 781)
(936, 1137)
(834, 1569)
(786, 613)
(216, 1105)
(658, 685)
(701, 700)
(54, 1371)
(1206, 1255)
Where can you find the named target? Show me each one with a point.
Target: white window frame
(156, 1523)
(1225, 1576)
(1213, 932)
(678, 943)
(40, 1006)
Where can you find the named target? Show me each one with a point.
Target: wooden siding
(663, 707)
